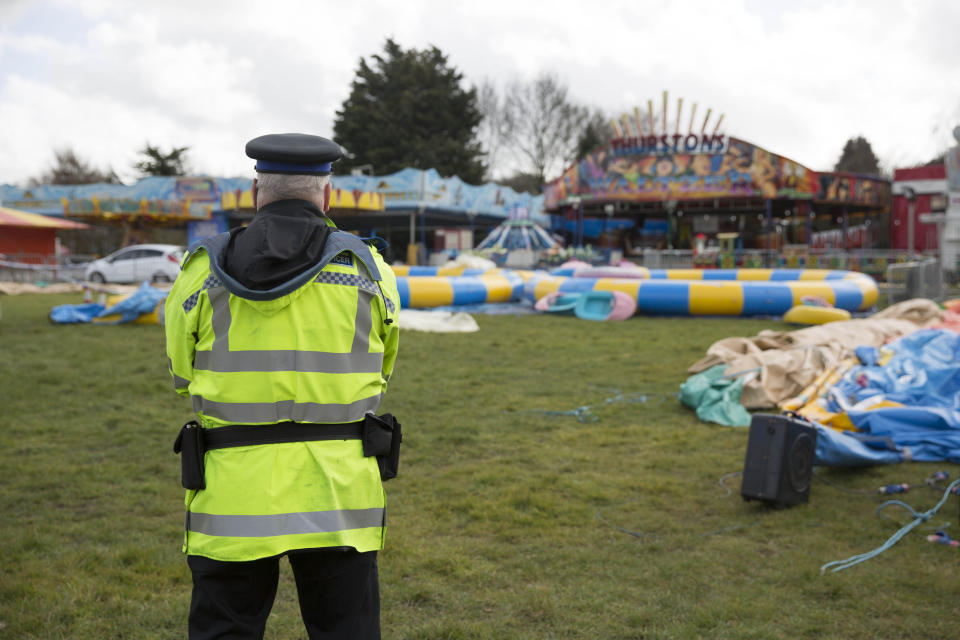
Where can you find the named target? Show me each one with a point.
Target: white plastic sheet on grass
(438, 321)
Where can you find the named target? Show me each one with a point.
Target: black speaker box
(780, 456)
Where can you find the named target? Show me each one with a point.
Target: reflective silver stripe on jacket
(285, 410)
(285, 524)
(221, 359)
(178, 382)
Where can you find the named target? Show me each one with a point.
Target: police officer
(284, 335)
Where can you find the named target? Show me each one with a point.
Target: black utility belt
(381, 438)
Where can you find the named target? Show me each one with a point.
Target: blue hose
(840, 565)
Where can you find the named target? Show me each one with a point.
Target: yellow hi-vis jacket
(320, 349)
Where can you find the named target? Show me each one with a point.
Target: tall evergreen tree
(596, 131)
(858, 157)
(407, 108)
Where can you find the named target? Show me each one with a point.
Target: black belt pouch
(381, 438)
(190, 446)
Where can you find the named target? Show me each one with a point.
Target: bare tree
(523, 183)
(492, 132)
(68, 168)
(543, 125)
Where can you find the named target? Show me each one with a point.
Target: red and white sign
(857, 237)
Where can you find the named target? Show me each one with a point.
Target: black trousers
(338, 590)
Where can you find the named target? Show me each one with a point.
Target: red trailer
(929, 187)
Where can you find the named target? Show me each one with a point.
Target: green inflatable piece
(715, 398)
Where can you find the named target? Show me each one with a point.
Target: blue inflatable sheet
(75, 313)
(924, 375)
(144, 300)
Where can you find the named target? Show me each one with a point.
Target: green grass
(504, 522)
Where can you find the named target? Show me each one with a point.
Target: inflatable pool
(656, 291)
(722, 291)
(425, 291)
(458, 270)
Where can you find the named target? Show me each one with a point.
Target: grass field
(504, 523)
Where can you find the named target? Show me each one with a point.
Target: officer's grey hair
(281, 186)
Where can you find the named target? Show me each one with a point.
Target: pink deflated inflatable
(624, 306)
(591, 305)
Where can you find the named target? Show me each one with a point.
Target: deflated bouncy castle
(899, 402)
(142, 306)
(880, 390)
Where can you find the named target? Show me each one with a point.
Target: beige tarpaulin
(788, 361)
(17, 288)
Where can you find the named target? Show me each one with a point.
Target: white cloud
(798, 78)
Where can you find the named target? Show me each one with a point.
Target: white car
(151, 262)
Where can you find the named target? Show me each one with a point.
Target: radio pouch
(381, 436)
(190, 446)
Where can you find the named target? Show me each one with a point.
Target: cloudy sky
(104, 77)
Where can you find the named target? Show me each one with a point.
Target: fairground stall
(175, 210)
(418, 212)
(686, 185)
(31, 238)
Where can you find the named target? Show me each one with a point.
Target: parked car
(137, 263)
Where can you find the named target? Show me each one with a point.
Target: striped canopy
(15, 218)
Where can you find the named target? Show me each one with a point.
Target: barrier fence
(923, 277)
(919, 279)
(873, 262)
(38, 268)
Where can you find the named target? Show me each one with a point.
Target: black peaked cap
(293, 153)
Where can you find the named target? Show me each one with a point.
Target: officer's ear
(327, 189)
(253, 191)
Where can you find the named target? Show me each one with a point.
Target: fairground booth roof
(174, 200)
(26, 220)
(651, 159)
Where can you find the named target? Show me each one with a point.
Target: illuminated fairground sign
(651, 158)
(639, 134)
(675, 143)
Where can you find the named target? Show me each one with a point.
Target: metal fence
(666, 259)
(919, 279)
(36, 268)
(873, 262)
